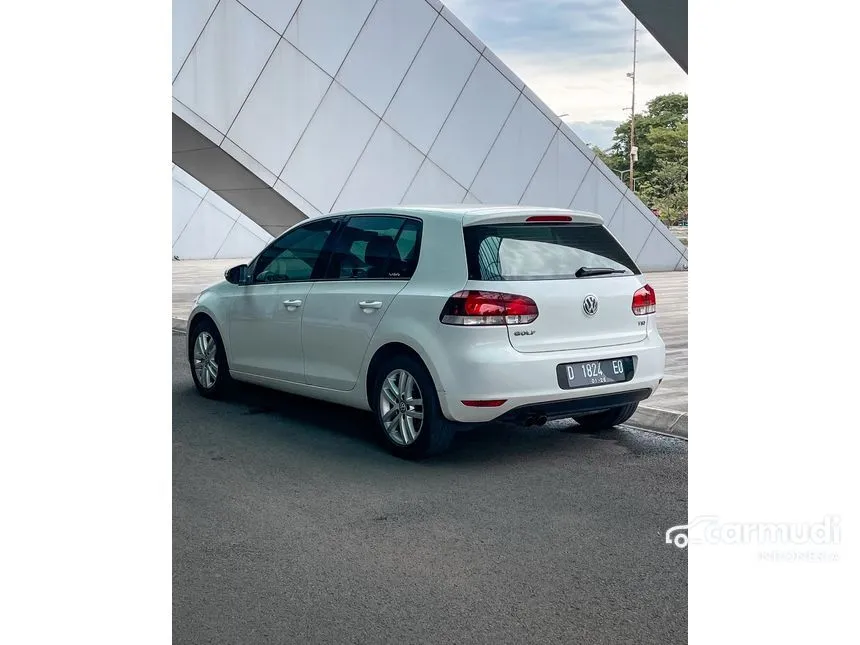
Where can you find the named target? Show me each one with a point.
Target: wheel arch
(199, 316)
(384, 352)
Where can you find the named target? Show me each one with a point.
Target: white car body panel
(265, 335)
(339, 320)
(324, 347)
(563, 325)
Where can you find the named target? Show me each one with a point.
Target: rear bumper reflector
(484, 404)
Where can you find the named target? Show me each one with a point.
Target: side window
(294, 256)
(375, 247)
(407, 247)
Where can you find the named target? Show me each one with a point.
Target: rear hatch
(578, 275)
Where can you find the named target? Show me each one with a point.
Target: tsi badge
(589, 305)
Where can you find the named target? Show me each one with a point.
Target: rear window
(541, 252)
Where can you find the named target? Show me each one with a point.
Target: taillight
(488, 308)
(644, 301)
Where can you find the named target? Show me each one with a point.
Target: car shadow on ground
(255, 400)
(486, 443)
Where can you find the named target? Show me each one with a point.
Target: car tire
(208, 362)
(607, 418)
(435, 432)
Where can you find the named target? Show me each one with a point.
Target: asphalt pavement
(292, 524)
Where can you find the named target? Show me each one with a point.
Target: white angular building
(287, 109)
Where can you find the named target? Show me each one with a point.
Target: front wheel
(407, 409)
(208, 361)
(607, 418)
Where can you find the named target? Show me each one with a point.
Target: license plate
(589, 373)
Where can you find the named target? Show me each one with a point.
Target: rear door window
(376, 247)
(541, 252)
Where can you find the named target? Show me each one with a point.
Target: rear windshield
(541, 251)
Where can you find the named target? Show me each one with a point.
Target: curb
(667, 422)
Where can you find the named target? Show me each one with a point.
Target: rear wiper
(584, 272)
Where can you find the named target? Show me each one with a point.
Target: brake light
(549, 218)
(488, 308)
(644, 301)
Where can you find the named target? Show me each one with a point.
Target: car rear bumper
(529, 386)
(529, 414)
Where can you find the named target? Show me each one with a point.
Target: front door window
(294, 256)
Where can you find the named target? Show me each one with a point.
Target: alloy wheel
(205, 363)
(401, 407)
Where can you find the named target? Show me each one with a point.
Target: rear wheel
(607, 418)
(208, 361)
(407, 409)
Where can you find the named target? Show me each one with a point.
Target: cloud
(574, 54)
(598, 133)
(597, 29)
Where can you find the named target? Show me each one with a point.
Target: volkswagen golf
(437, 319)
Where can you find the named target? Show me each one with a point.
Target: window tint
(294, 255)
(541, 252)
(375, 248)
(407, 245)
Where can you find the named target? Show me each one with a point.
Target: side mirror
(237, 274)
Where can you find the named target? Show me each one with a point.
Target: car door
(266, 314)
(372, 259)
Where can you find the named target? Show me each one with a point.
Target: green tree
(665, 188)
(661, 168)
(603, 156)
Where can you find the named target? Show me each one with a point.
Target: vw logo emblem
(589, 305)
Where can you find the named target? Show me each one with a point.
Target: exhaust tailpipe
(534, 420)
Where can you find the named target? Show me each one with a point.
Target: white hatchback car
(438, 318)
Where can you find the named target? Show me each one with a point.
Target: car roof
(473, 213)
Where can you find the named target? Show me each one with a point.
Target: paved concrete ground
(665, 411)
(292, 525)
(190, 277)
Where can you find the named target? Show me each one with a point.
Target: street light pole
(633, 107)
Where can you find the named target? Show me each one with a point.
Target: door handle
(292, 305)
(370, 304)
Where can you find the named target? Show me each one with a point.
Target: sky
(575, 55)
